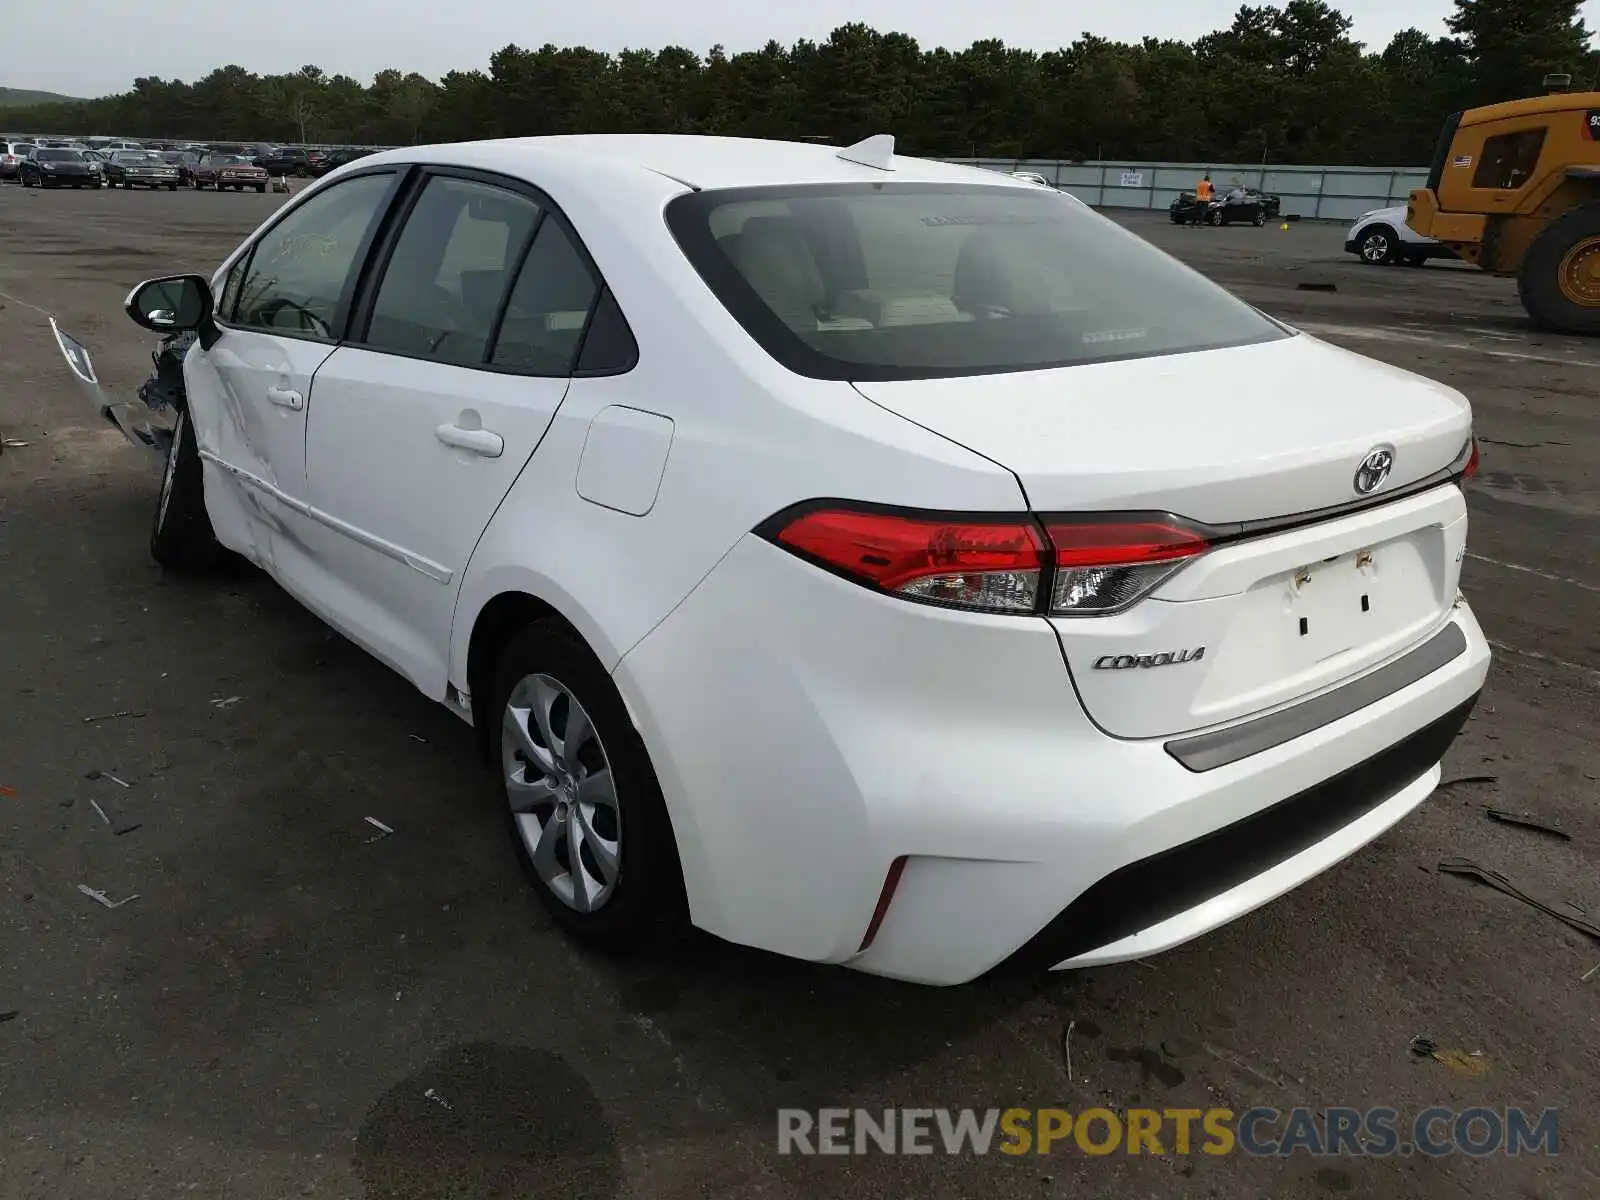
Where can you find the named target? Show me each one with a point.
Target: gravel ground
(290, 1008)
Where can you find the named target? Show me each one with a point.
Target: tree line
(1282, 83)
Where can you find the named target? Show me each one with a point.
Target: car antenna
(876, 151)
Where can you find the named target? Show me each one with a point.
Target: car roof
(695, 160)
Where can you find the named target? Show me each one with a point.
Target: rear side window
(548, 308)
(908, 281)
(1509, 160)
(450, 270)
(301, 268)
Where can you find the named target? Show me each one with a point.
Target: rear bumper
(808, 734)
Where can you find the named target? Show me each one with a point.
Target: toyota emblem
(1374, 469)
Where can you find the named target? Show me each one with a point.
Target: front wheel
(587, 818)
(1214, 217)
(1560, 278)
(1259, 220)
(181, 538)
(1378, 245)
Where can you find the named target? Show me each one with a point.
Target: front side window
(301, 268)
(1508, 161)
(909, 280)
(443, 287)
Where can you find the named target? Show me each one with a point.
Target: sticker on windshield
(1463, 160)
(1115, 335)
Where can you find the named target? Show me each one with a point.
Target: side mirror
(174, 304)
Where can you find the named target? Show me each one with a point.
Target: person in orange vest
(1203, 194)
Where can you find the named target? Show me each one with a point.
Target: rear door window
(549, 308)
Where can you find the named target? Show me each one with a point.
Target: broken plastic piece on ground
(101, 811)
(383, 830)
(100, 897)
(131, 713)
(227, 702)
(1317, 287)
(1526, 821)
(107, 775)
(10, 1014)
(430, 1094)
(1473, 1065)
(15, 443)
(1469, 779)
(1472, 870)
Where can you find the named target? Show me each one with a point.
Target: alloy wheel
(562, 793)
(1375, 248)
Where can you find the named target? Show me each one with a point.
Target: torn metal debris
(101, 898)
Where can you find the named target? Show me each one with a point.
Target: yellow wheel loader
(1515, 188)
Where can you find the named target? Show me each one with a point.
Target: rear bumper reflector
(1207, 751)
(885, 898)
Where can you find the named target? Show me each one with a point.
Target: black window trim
(370, 279)
(338, 327)
(688, 220)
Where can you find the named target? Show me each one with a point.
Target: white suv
(1382, 238)
(873, 560)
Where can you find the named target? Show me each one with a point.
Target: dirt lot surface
(291, 1009)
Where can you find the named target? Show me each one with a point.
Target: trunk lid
(1225, 437)
(1216, 436)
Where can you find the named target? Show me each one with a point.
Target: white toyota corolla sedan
(877, 561)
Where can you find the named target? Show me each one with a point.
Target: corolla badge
(1374, 469)
(1167, 658)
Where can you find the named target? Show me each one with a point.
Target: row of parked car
(106, 162)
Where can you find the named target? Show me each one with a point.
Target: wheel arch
(498, 620)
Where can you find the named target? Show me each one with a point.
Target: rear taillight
(960, 563)
(1104, 566)
(1088, 565)
(1471, 469)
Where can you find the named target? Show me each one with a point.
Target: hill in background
(22, 97)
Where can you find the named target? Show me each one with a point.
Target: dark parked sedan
(141, 168)
(49, 167)
(184, 160)
(1238, 206)
(223, 171)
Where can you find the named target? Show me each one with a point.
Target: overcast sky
(91, 47)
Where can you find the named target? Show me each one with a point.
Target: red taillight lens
(960, 563)
(1471, 468)
(1090, 566)
(1105, 566)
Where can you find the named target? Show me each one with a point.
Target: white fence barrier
(1315, 193)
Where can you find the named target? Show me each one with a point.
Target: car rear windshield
(914, 281)
(59, 156)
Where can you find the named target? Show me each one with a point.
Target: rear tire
(1213, 217)
(644, 902)
(1378, 246)
(1560, 277)
(1259, 220)
(181, 537)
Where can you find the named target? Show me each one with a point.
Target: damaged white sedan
(876, 561)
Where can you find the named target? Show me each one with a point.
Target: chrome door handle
(475, 441)
(286, 398)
